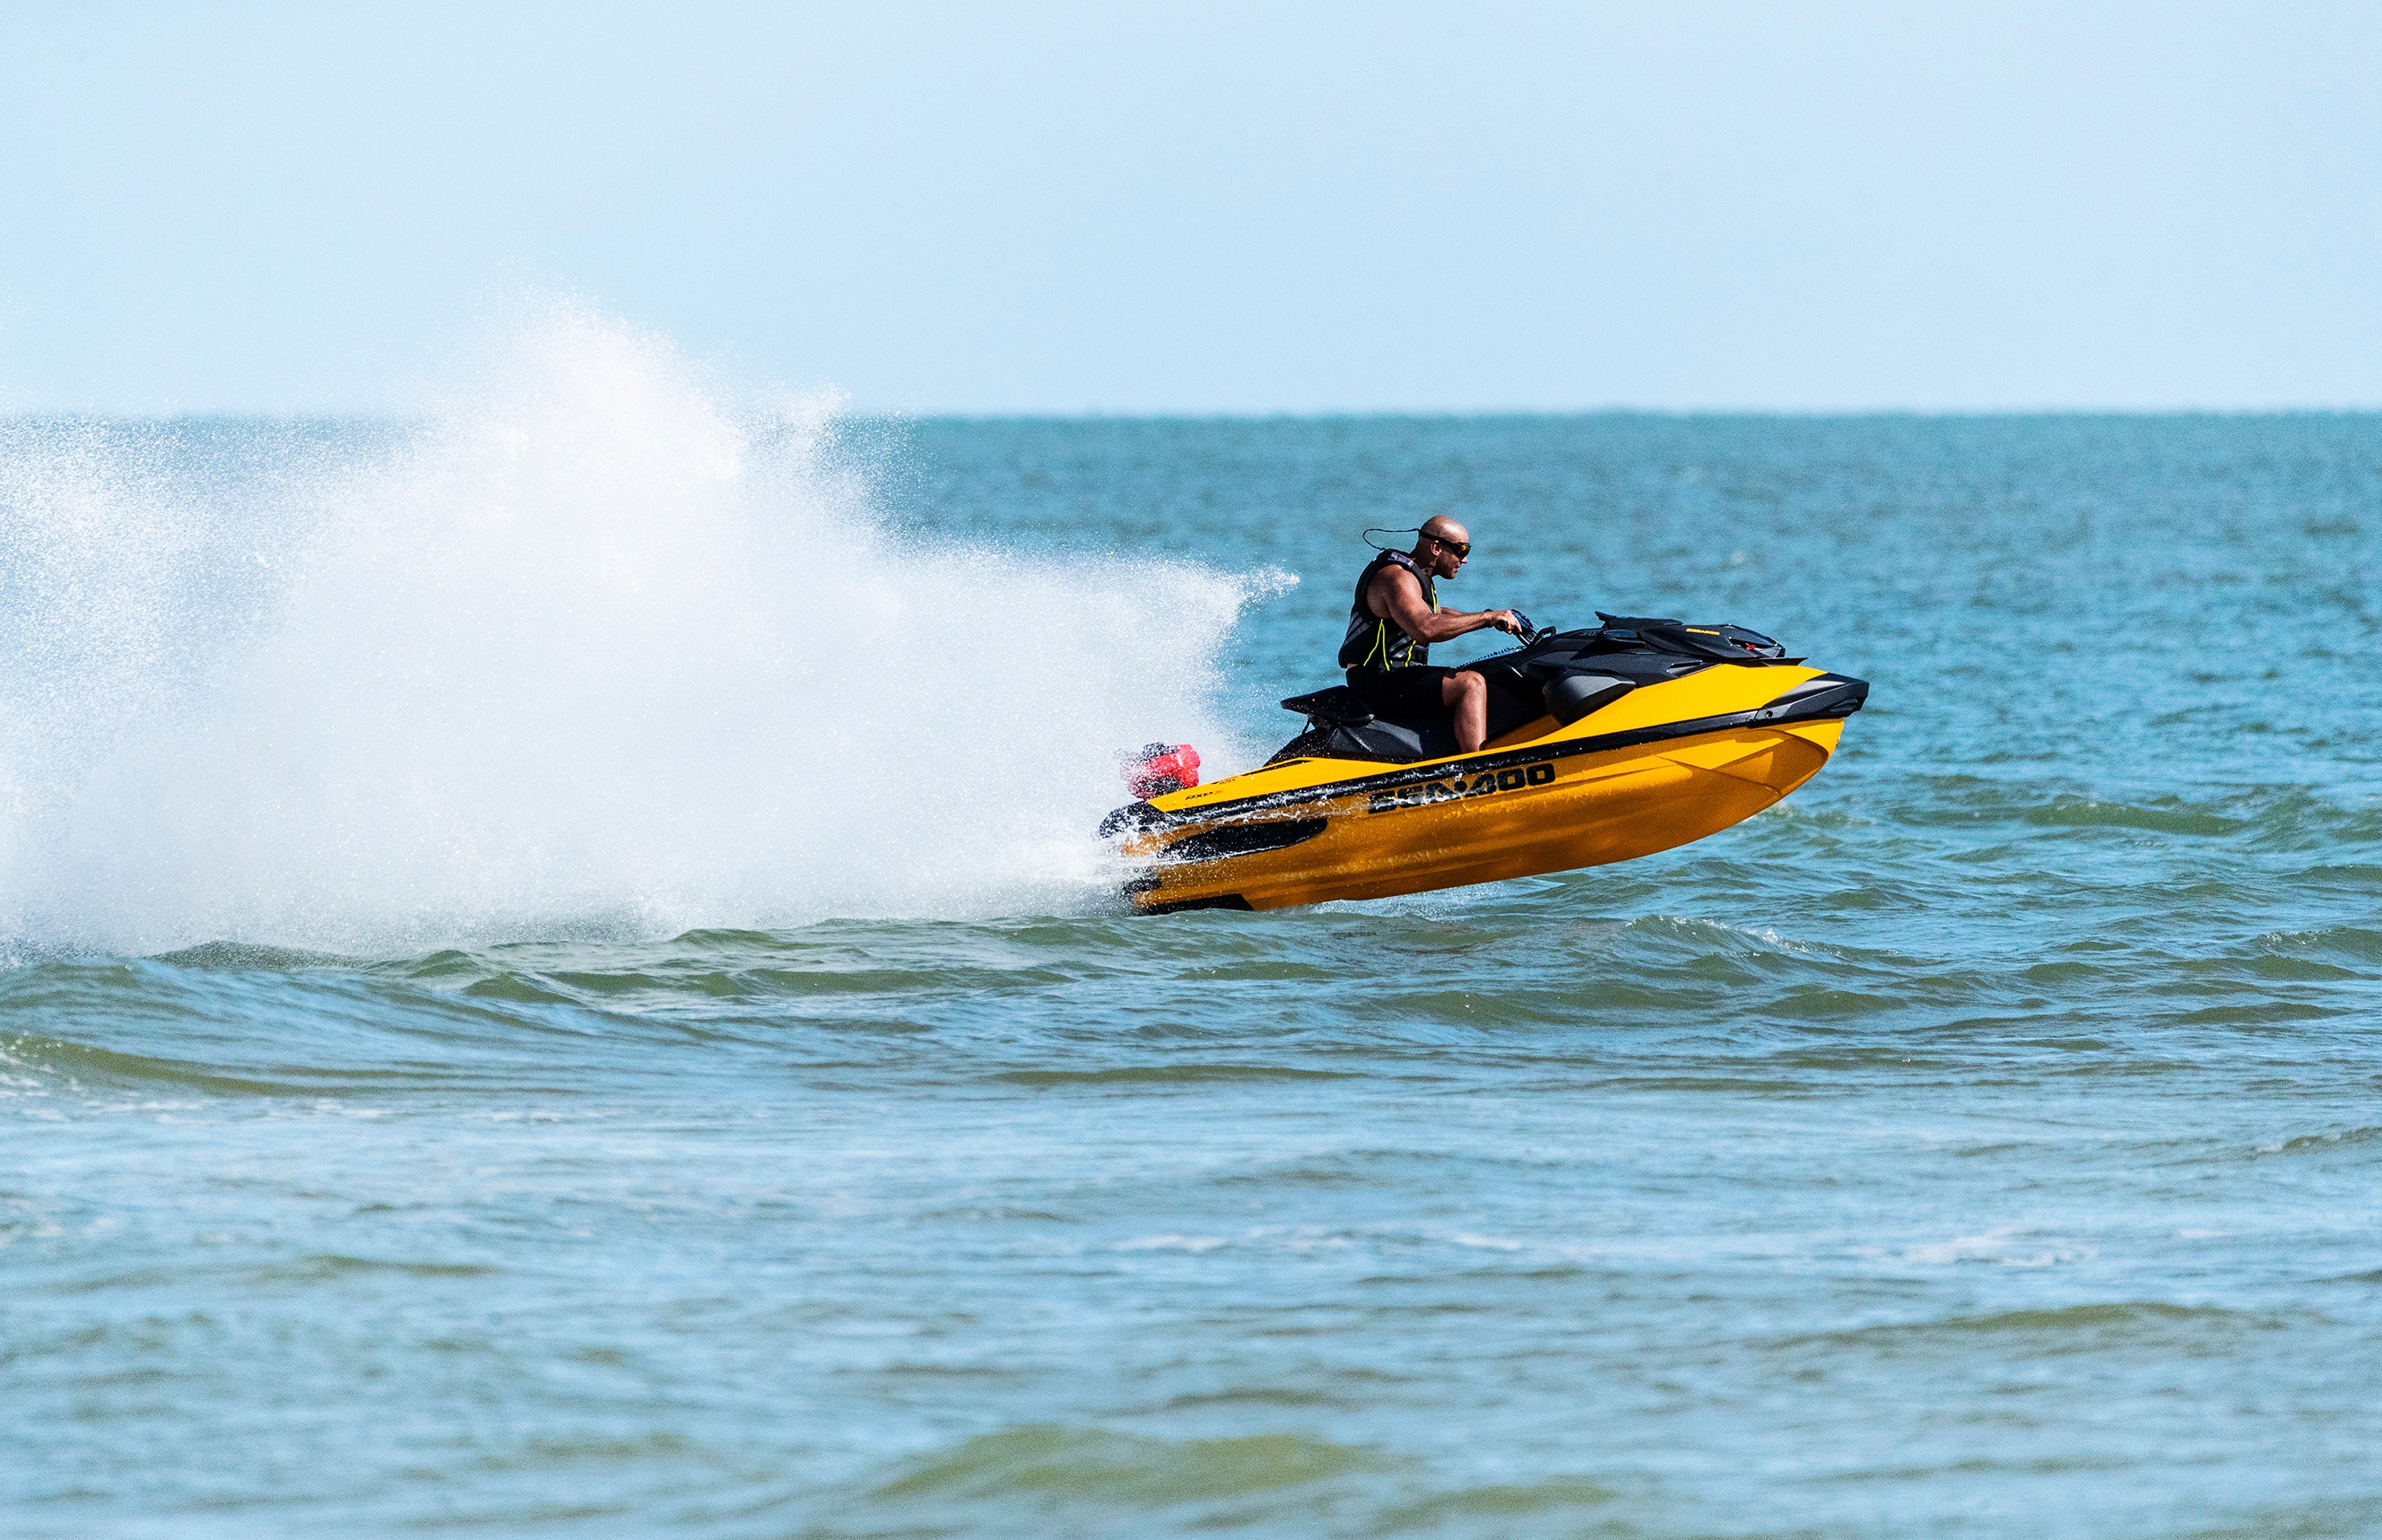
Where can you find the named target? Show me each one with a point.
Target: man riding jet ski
(1590, 746)
(1394, 619)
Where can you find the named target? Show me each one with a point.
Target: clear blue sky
(1208, 208)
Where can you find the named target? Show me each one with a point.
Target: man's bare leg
(1468, 696)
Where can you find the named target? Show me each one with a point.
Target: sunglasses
(1462, 549)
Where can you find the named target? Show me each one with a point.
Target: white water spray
(594, 647)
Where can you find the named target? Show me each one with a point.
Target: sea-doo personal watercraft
(1603, 745)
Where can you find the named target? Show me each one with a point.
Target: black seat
(1340, 726)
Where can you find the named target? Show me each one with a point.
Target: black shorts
(1401, 692)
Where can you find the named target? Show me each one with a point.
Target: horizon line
(1098, 414)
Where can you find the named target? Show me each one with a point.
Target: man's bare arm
(1395, 591)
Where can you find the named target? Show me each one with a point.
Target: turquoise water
(1983, 1142)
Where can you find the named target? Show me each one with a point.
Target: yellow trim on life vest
(1382, 632)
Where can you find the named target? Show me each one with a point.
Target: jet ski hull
(1664, 766)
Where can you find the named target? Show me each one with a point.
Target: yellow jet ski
(1604, 745)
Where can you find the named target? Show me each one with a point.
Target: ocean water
(557, 982)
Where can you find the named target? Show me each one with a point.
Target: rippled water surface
(1983, 1142)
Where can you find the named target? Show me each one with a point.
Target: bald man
(1394, 619)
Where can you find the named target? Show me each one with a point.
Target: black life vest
(1374, 643)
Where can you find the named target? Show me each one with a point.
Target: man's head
(1441, 546)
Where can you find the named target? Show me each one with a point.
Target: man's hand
(1505, 620)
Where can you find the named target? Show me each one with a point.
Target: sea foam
(595, 643)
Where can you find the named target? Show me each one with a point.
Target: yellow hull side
(1712, 693)
(1594, 808)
